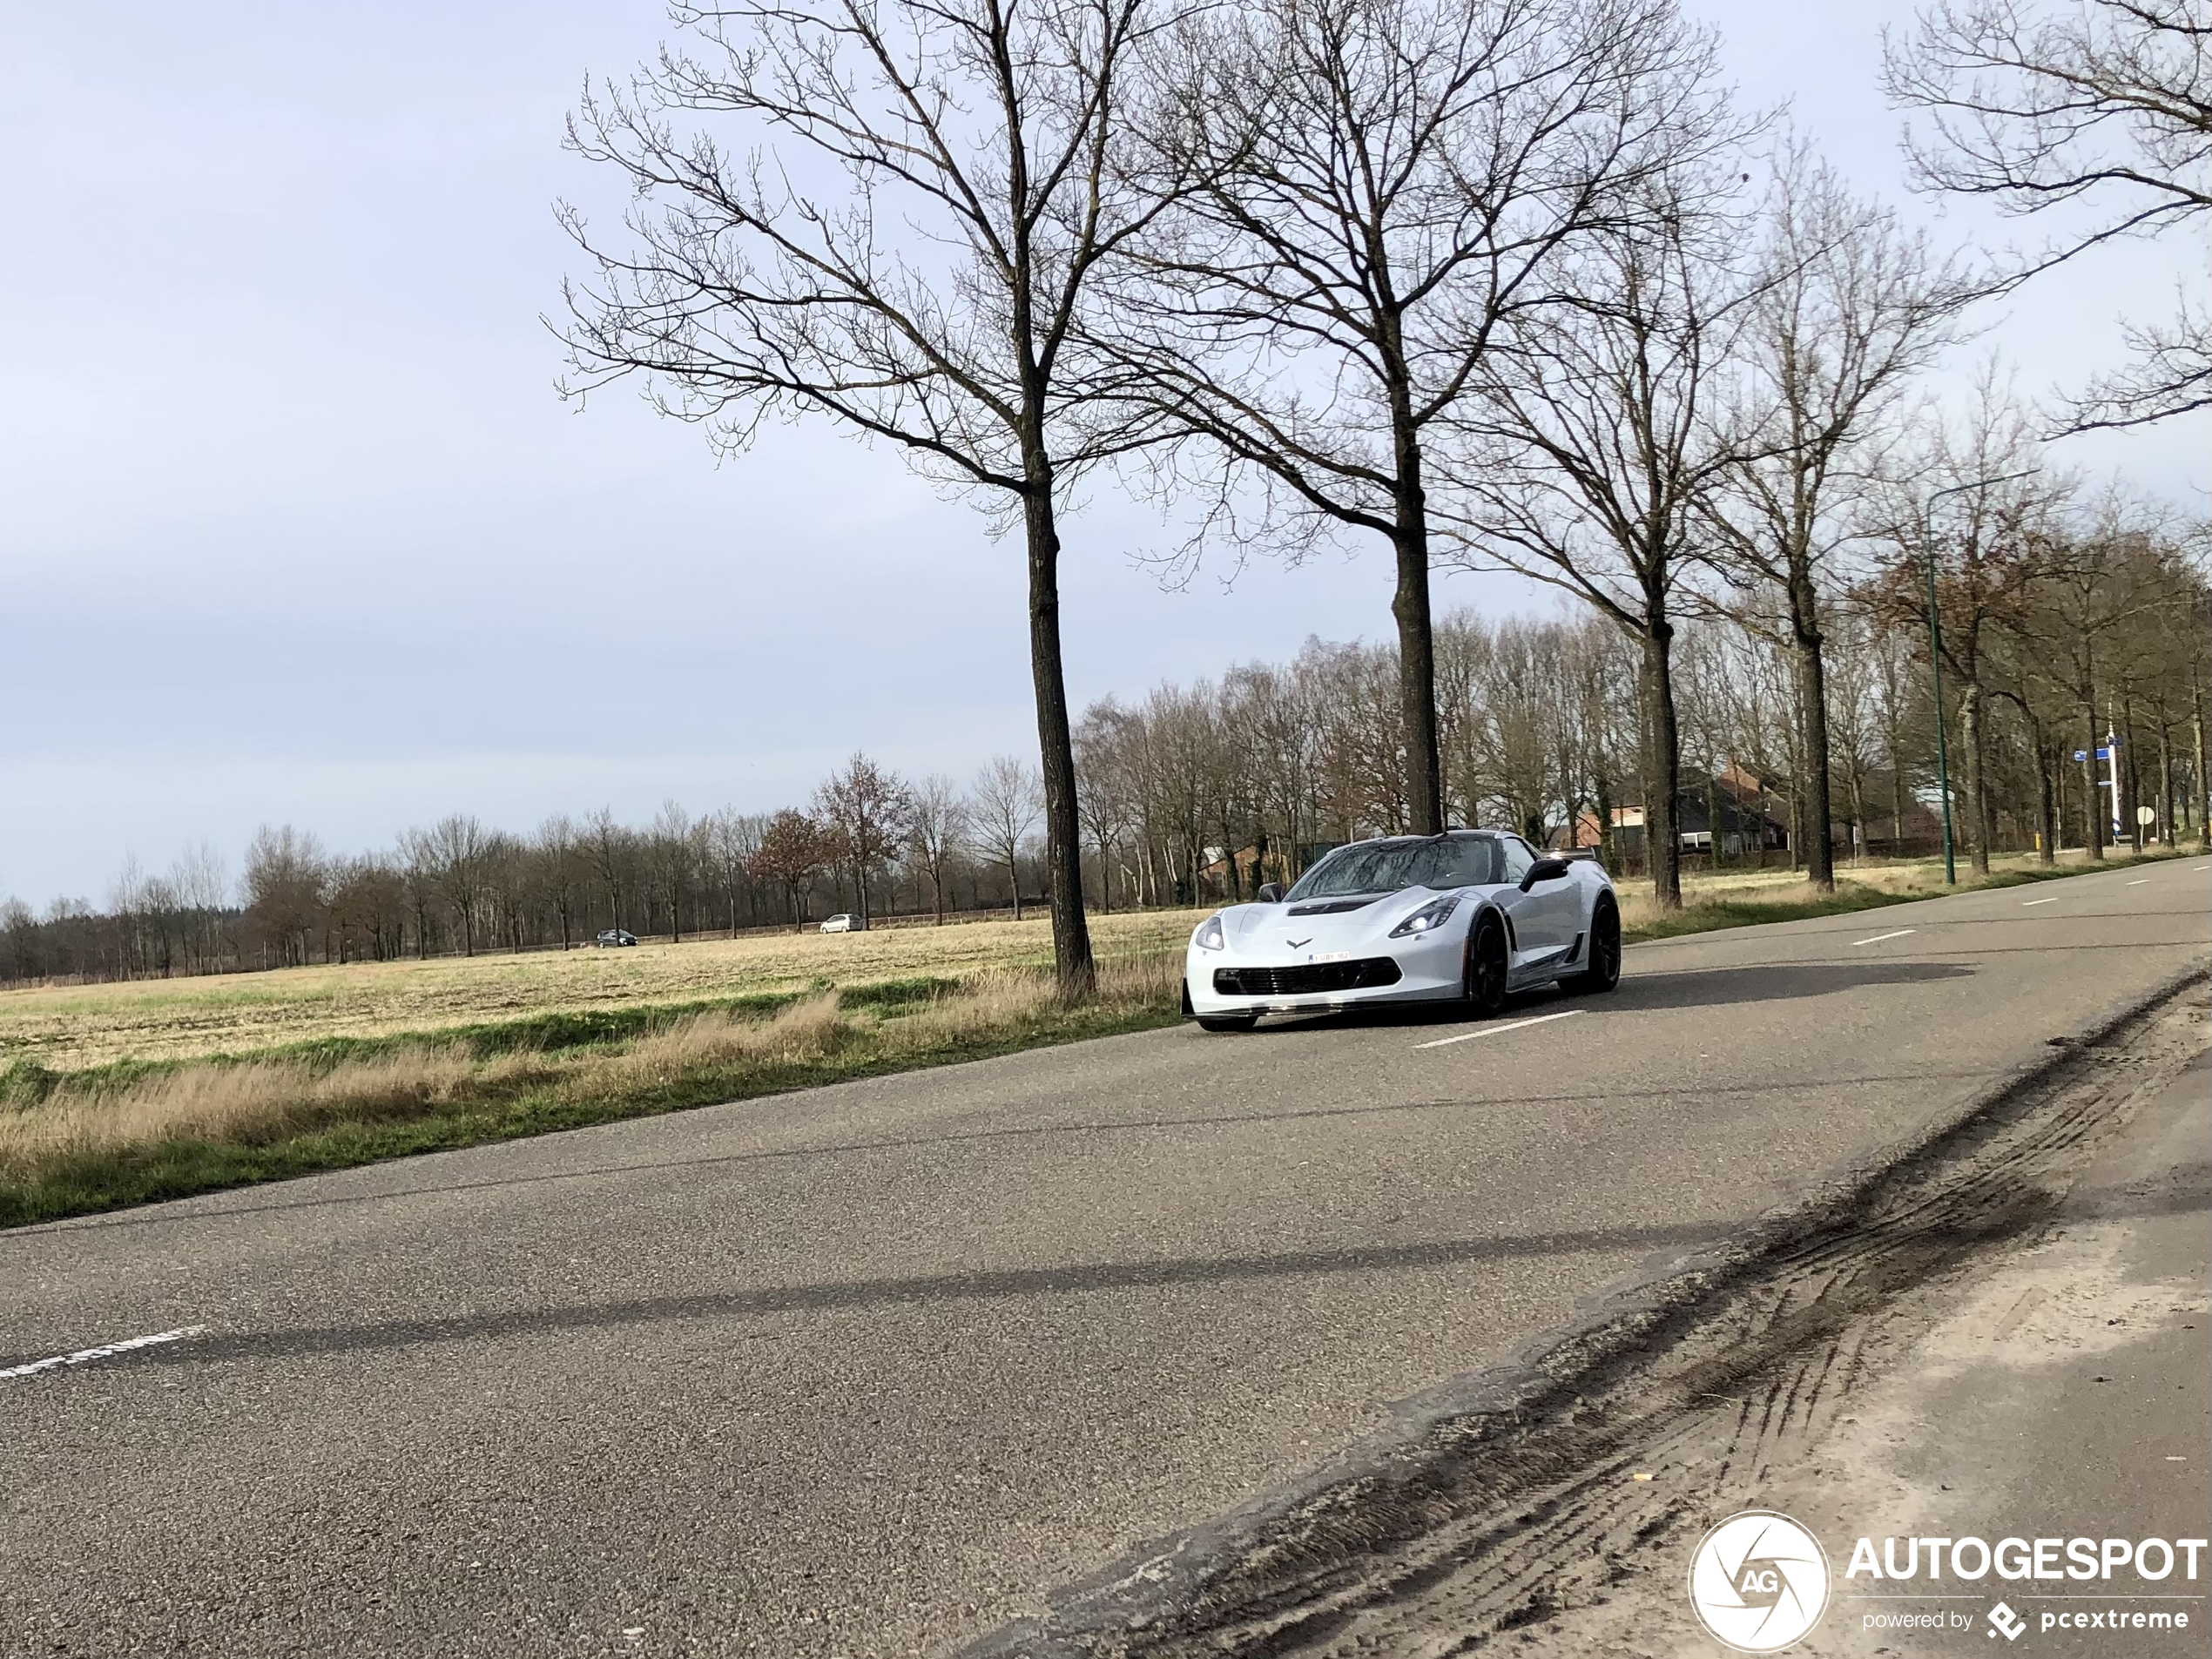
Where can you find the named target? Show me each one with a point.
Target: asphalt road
(868, 1370)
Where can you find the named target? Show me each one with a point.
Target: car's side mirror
(1270, 892)
(1543, 870)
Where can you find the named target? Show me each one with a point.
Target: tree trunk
(1662, 766)
(1812, 711)
(1970, 736)
(1077, 974)
(2165, 835)
(2046, 762)
(2200, 795)
(1417, 657)
(2093, 828)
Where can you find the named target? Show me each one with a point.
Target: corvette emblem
(1295, 943)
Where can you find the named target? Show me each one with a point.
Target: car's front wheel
(1604, 970)
(1488, 967)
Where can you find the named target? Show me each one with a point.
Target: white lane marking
(85, 1356)
(1878, 938)
(2139, 881)
(2200, 869)
(1498, 1030)
(2031, 903)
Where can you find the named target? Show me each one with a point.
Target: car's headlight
(1428, 918)
(1209, 936)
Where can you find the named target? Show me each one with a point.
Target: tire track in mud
(1505, 1496)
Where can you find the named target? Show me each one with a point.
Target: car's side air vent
(1330, 907)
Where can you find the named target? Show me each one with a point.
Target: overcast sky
(295, 529)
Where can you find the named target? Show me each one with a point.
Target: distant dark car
(616, 936)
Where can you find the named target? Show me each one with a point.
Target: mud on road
(1509, 1508)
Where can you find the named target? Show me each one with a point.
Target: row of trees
(2083, 622)
(866, 839)
(1487, 280)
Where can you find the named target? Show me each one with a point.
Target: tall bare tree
(2106, 104)
(1590, 463)
(1992, 550)
(1384, 182)
(903, 235)
(1849, 306)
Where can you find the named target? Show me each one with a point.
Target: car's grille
(1311, 979)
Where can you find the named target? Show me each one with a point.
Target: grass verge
(121, 1135)
(135, 1131)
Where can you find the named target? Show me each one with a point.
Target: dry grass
(71, 1027)
(97, 1118)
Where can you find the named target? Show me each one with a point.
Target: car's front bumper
(1425, 971)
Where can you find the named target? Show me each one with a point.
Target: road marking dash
(1499, 1030)
(2030, 903)
(85, 1356)
(2139, 881)
(1878, 938)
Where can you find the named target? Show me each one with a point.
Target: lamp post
(1935, 647)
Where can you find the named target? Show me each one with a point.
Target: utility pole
(1935, 648)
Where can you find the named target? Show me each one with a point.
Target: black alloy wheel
(1487, 967)
(1604, 970)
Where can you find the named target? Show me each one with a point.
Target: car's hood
(1273, 933)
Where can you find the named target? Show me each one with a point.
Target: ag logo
(1758, 1581)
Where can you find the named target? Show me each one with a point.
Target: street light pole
(1935, 648)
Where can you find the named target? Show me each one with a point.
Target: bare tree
(672, 851)
(1993, 552)
(978, 133)
(1002, 814)
(1590, 466)
(937, 828)
(457, 847)
(1384, 182)
(869, 811)
(2108, 104)
(558, 859)
(1849, 306)
(285, 877)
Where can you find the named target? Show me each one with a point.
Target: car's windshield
(1386, 867)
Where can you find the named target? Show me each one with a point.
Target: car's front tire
(1604, 954)
(1488, 967)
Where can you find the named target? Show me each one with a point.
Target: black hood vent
(1330, 907)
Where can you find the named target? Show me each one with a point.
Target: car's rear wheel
(1488, 967)
(1604, 970)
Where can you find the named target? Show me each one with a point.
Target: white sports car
(1465, 917)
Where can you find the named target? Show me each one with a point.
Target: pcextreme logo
(1758, 1581)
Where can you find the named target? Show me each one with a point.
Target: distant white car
(1466, 917)
(841, 923)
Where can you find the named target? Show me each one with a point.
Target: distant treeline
(1197, 793)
